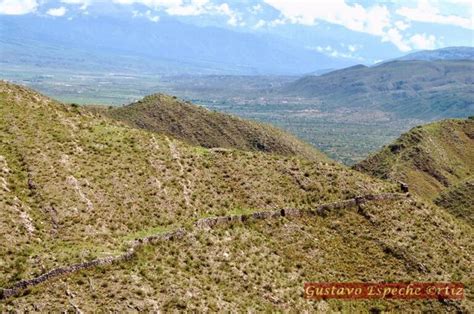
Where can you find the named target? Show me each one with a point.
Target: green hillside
(415, 89)
(77, 187)
(199, 126)
(432, 159)
(459, 200)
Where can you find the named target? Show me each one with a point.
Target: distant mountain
(198, 126)
(436, 160)
(415, 89)
(137, 45)
(449, 53)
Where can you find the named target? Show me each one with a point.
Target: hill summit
(199, 126)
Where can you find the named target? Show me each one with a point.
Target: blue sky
(346, 29)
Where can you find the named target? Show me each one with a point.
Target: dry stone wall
(202, 224)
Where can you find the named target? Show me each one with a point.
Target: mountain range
(114, 44)
(119, 43)
(448, 53)
(142, 168)
(415, 89)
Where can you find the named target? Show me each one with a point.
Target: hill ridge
(200, 126)
(433, 159)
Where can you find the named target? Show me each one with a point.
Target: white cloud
(256, 9)
(185, 10)
(234, 19)
(463, 2)
(333, 52)
(195, 7)
(84, 4)
(156, 4)
(151, 17)
(277, 22)
(352, 48)
(394, 36)
(426, 12)
(260, 23)
(57, 11)
(417, 41)
(148, 14)
(401, 25)
(17, 7)
(423, 41)
(188, 8)
(355, 17)
(172, 7)
(374, 20)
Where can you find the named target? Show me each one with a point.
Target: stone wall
(203, 224)
(61, 271)
(322, 210)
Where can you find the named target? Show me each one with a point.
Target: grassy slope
(75, 186)
(85, 184)
(199, 126)
(430, 158)
(459, 200)
(263, 266)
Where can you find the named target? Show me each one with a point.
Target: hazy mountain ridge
(448, 53)
(416, 89)
(104, 44)
(77, 186)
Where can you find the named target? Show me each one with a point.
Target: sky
(338, 28)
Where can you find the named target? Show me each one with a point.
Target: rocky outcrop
(403, 186)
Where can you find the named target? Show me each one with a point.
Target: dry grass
(263, 266)
(79, 186)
